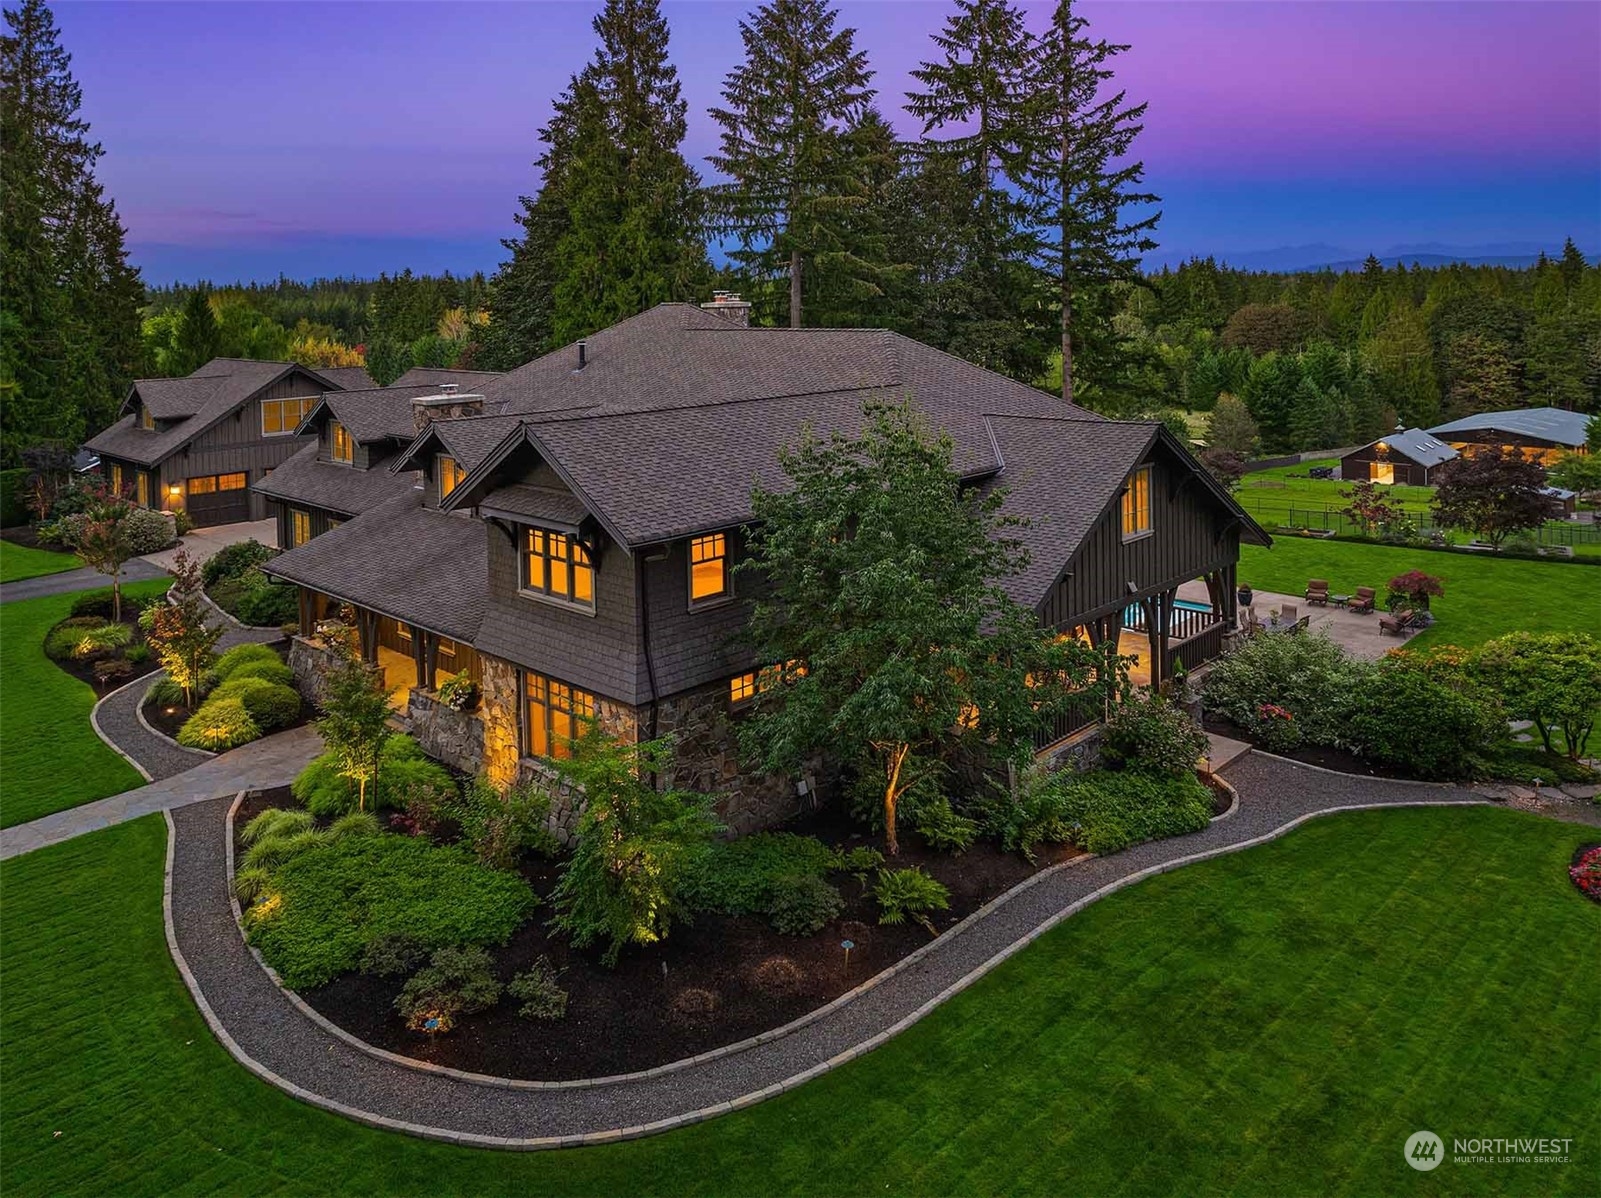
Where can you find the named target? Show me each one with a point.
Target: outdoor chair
(1362, 602)
(1395, 624)
(1288, 613)
(1317, 592)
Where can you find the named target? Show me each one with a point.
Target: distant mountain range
(1294, 258)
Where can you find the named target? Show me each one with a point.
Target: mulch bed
(713, 982)
(1330, 759)
(25, 536)
(84, 670)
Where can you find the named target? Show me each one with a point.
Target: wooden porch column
(1151, 605)
(308, 615)
(419, 656)
(367, 630)
(1231, 599)
(430, 660)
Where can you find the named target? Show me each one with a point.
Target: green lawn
(1273, 1022)
(19, 561)
(1284, 495)
(1484, 596)
(50, 757)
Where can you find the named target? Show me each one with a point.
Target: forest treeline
(1009, 231)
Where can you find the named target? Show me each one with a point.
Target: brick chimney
(730, 305)
(447, 405)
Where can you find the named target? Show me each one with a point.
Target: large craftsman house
(199, 443)
(565, 534)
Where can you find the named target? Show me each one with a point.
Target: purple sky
(245, 138)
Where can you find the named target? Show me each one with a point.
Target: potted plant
(458, 692)
(1244, 594)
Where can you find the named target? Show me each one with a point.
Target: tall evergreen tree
(69, 331)
(634, 207)
(977, 90)
(522, 295)
(1082, 178)
(786, 145)
(199, 338)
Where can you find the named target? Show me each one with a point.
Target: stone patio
(1359, 634)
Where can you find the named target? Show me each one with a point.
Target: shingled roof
(351, 378)
(195, 403)
(303, 479)
(372, 414)
(423, 585)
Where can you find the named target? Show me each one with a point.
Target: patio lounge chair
(1317, 592)
(1395, 624)
(1288, 613)
(1362, 601)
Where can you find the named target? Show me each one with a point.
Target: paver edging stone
(749, 1099)
(584, 1083)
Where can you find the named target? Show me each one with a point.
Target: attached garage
(218, 498)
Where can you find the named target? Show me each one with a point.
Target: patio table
(1340, 601)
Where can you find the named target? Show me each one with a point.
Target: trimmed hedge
(401, 768)
(219, 724)
(271, 704)
(239, 655)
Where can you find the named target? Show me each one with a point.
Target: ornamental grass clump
(220, 724)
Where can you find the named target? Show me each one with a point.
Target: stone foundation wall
(312, 663)
(454, 737)
(1080, 754)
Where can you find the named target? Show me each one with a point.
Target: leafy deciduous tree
(355, 719)
(1491, 493)
(177, 631)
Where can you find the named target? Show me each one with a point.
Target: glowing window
(116, 479)
(742, 688)
(299, 528)
(450, 475)
(708, 568)
(1137, 503)
(280, 416)
(341, 447)
(558, 567)
(146, 419)
(231, 482)
(556, 714)
(142, 488)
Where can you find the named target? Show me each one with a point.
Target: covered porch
(407, 654)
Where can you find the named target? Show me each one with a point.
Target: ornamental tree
(1552, 679)
(636, 844)
(882, 598)
(1579, 472)
(99, 536)
(177, 632)
(1369, 510)
(1414, 589)
(1491, 494)
(355, 720)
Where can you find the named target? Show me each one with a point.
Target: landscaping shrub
(1428, 730)
(859, 862)
(942, 827)
(402, 767)
(356, 823)
(498, 823)
(250, 884)
(1309, 676)
(456, 981)
(233, 560)
(268, 671)
(392, 955)
(266, 604)
(1034, 815)
(909, 892)
(271, 852)
(1552, 679)
(799, 905)
(333, 901)
(165, 693)
(1113, 810)
(98, 603)
(82, 641)
(219, 724)
(14, 496)
(239, 655)
(271, 704)
(536, 989)
(148, 531)
(136, 655)
(738, 877)
(458, 692)
(276, 821)
(1150, 733)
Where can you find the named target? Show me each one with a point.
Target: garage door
(218, 498)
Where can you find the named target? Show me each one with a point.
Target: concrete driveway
(204, 543)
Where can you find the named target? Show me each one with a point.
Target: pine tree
(785, 146)
(198, 338)
(634, 237)
(978, 89)
(1571, 267)
(1082, 178)
(69, 333)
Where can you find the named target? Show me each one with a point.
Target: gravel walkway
(116, 719)
(274, 1039)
